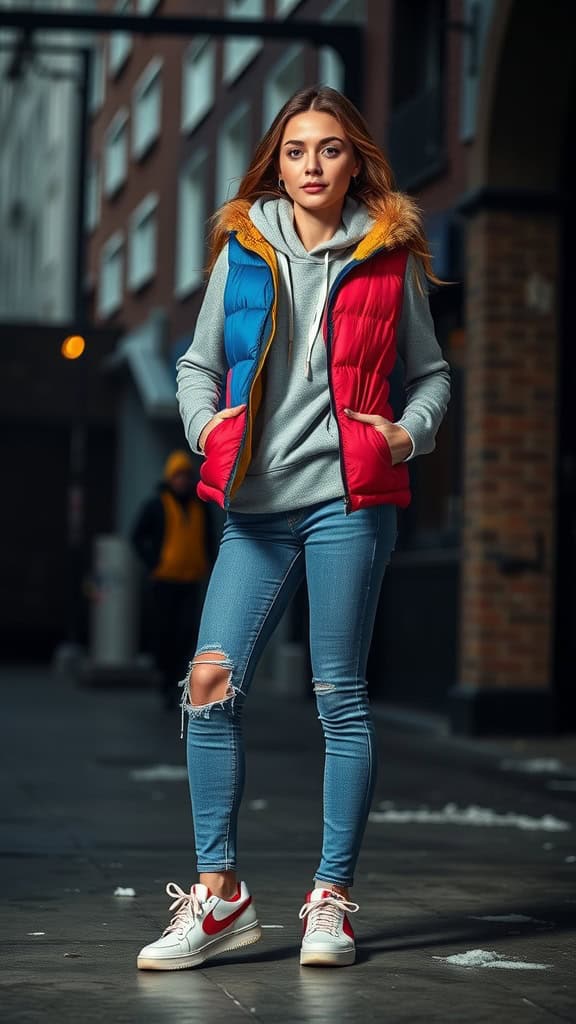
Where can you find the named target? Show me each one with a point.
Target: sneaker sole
(327, 958)
(252, 933)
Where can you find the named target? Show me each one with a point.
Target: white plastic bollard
(114, 618)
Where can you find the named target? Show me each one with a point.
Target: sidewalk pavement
(437, 878)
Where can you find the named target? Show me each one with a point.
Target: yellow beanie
(178, 462)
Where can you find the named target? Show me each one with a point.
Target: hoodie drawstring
(287, 278)
(317, 318)
(314, 328)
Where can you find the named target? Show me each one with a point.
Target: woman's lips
(314, 188)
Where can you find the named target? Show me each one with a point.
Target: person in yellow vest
(171, 537)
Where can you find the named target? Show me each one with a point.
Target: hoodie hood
(398, 224)
(267, 227)
(274, 219)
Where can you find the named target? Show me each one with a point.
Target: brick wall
(510, 445)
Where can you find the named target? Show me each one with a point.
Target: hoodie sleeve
(427, 374)
(202, 367)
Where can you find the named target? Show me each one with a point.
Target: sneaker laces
(325, 914)
(187, 906)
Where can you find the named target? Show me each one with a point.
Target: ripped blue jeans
(261, 562)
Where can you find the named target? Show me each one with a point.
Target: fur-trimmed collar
(398, 224)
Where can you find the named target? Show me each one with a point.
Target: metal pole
(346, 39)
(81, 200)
(354, 78)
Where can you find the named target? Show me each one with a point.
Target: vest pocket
(383, 444)
(368, 460)
(221, 449)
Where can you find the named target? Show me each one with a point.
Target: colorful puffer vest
(360, 324)
(183, 555)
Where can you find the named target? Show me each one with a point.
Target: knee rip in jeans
(219, 679)
(322, 687)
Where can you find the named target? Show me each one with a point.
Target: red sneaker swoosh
(213, 925)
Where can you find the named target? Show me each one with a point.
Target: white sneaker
(328, 939)
(202, 926)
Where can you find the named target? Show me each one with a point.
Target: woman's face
(316, 161)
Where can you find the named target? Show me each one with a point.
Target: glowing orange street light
(73, 346)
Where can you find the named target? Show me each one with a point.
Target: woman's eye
(331, 151)
(294, 153)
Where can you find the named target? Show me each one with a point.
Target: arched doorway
(514, 437)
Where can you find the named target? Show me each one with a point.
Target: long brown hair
(371, 187)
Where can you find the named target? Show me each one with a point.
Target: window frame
(93, 210)
(283, 8)
(190, 118)
(97, 83)
(151, 74)
(294, 52)
(120, 38)
(118, 123)
(239, 52)
(145, 209)
(113, 246)
(237, 115)
(186, 284)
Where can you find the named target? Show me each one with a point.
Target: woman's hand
(224, 414)
(399, 440)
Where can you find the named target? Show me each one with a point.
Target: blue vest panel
(248, 300)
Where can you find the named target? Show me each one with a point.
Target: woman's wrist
(203, 435)
(399, 441)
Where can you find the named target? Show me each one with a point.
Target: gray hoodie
(295, 455)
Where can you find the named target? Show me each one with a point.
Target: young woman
(317, 285)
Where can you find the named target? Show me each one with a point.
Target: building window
(477, 13)
(51, 228)
(116, 153)
(147, 108)
(191, 224)
(285, 7)
(239, 52)
(416, 138)
(197, 82)
(97, 85)
(330, 66)
(120, 45)
(147, 6)
(233, 153)
(111, 274)
(92, 195)
(56, 121)
(285, 78)
(142, 243)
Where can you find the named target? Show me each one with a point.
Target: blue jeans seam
(366, 727)
(234, 782)
(241, 683)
